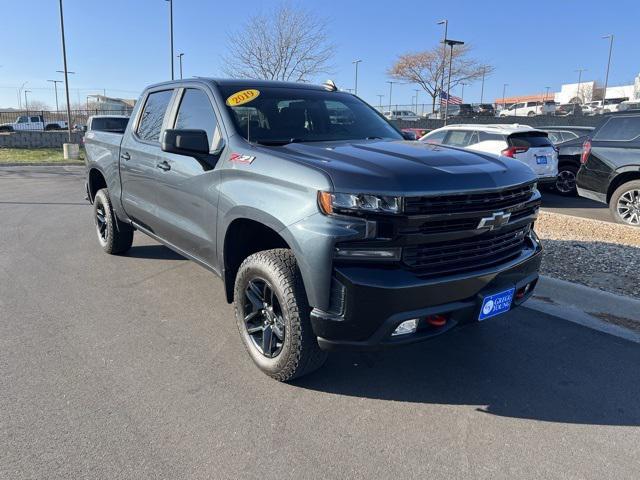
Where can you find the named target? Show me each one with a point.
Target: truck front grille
(473, 202)
(475, 253)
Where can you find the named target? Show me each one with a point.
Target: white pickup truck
(32, 123)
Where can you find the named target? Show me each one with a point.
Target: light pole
(462, 94)
(66, 72)
(390, 82)
(444, 58)
(451, 44)
(55, 86)
(380, 97)
(171, 34)
(417, 90)
(504, 89)
(484, 72)
(20, 94)
(26, 101)
(180, 55)
(579, 70)
(356, 62)
(606, 78)
(546, 94)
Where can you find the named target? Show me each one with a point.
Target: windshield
(283, 115)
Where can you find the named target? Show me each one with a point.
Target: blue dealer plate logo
(496, 304)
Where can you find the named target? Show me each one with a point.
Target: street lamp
(504, 89)
(417, 90)
(20, 94)
(356, 62)
(390, 82)
(380, 97)
(484, 72)
(451, 44)
(66, 72)
(55, 86)
(462, 94)
(444, 58)
(546, 94)
(26, 101)
(579, 70)
(606, 78)
(171, 34)
(180, 55)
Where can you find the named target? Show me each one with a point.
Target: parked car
(415, 133)
(32, 122)
(484, 110)
(522, 109)
(459, 110)
(406, 115)
(548, 107)
(591, 108)
(325, 236)
(522, 142)
(108, 123)
(566, 109)
(610, 171)
(629, 106)
(562, 134)
(612, 105)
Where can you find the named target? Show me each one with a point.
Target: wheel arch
(627, 175)
(95, 181)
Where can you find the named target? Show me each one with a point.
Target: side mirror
(185, 142)
(409, 135)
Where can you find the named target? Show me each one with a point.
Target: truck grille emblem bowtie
(497, 220)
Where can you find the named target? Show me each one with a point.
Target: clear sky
(122, 45)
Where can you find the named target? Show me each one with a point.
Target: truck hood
(407, 168)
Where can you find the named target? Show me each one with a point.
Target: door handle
(125, 156)
(164, 166)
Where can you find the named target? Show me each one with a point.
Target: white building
(584, 91)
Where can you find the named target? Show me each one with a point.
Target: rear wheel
(114, 236)
(531, 114)
(272, 315)
(625, 203)
(566, 180)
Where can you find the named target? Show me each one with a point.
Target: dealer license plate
(496, 304)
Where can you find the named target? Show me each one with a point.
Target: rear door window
(619, 129)
(459, 138)
(35, 119)
(484, 137)
(153, 115)
(529, 139)
(435, 137)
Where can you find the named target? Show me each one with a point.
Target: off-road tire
(300, 353)
(116, 236)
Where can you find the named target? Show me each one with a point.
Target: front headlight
(358, 202)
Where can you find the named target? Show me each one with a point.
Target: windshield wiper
(278, 142)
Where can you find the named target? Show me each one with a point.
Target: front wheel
(272, 314)
(114, 236)
(625, 203)
(566, 180)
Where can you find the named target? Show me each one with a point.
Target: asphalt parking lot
(131, 367)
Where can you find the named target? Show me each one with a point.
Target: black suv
(460, 110)
(610, 171)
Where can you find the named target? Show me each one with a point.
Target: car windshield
(277, 116)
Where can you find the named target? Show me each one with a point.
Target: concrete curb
(603, 311)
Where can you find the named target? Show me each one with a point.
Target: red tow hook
(437, 320)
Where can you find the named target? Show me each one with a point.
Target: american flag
(450, 99)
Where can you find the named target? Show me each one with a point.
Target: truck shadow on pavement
(525, 365)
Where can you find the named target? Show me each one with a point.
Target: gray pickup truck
(328, 229)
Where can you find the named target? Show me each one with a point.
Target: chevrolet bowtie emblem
(497, 220)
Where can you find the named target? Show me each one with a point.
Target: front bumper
(378, 299)
(547, 180)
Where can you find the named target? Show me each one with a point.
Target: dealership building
(580, 92)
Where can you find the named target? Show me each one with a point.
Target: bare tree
(38, 105)
(425, 68)
(289, 44)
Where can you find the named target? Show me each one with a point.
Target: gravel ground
(591, 252)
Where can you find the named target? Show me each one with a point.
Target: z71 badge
(239, 158)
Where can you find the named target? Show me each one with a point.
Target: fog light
(406, 327)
